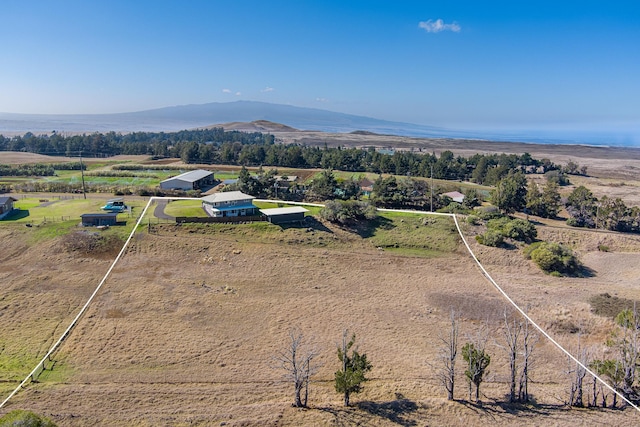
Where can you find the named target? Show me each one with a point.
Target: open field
(184, 331)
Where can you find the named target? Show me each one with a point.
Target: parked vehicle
(115, 205)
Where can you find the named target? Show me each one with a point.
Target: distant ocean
(12, 124)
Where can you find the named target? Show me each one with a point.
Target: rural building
(230, 203)
(455, 196)
(6, 205)
(283, 215)
(285, 180)
(366, 186)
(192, 180)
(99, 219)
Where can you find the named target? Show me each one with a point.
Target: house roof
(283, 211)
(191, 176)
(454, 194)
(5, 199)
(227, 196)
(99, 215)
(288, 178)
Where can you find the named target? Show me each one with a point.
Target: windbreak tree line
(218, 146)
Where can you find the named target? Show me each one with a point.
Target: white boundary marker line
(526, 316)
(455, 219)
(86, 305)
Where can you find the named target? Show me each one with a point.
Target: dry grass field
(185, 330)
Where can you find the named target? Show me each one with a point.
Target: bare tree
(448, 353)
(295, 360)
(512, 330)
(529, 341)
(578, 373)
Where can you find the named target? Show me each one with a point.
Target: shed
(283, 215)
(99, 219)
(6, 205)
(192, 180)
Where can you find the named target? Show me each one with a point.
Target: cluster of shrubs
(499, 229)
(553, 258)
(348, 212)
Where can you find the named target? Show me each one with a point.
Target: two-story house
(230, 203)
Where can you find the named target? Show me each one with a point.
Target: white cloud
(238, 93)
(267, 89)
(438, 25)
(226, 90)
(321, 99)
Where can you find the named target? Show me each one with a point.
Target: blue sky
(507, 64)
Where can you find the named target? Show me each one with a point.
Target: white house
(192, 180)
(230, 203)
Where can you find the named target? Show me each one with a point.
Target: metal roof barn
(192, 180)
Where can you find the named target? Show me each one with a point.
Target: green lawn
(189, 208)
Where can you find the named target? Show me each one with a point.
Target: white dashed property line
(126, 244)
(82, 310)
(526, 316)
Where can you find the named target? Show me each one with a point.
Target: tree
(510, 192)
(448, 353)
(324, 185)
(629, 347)
(477, 363)
(350, 377)
(296, 362)
(613, 371)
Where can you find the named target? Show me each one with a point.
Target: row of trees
(296, 360)
(514, 193)
(215, 145)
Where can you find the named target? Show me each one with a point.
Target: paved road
(159, 210)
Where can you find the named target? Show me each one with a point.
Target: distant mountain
(181, 117)
(202, 115)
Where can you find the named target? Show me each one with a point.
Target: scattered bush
(19, 417)
(491, 238)
(473, 220)
(553, 257)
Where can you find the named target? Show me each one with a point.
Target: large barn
(192, 180)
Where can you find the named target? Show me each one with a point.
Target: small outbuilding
(284, 215)
(192, 180)
(99, 219)
(6, 205)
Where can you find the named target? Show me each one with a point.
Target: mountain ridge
(191, 116)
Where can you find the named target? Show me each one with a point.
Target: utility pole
(84, 190)
(431, 185)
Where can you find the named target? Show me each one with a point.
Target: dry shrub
(91, 243)
(609, 306)
(470, 307)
